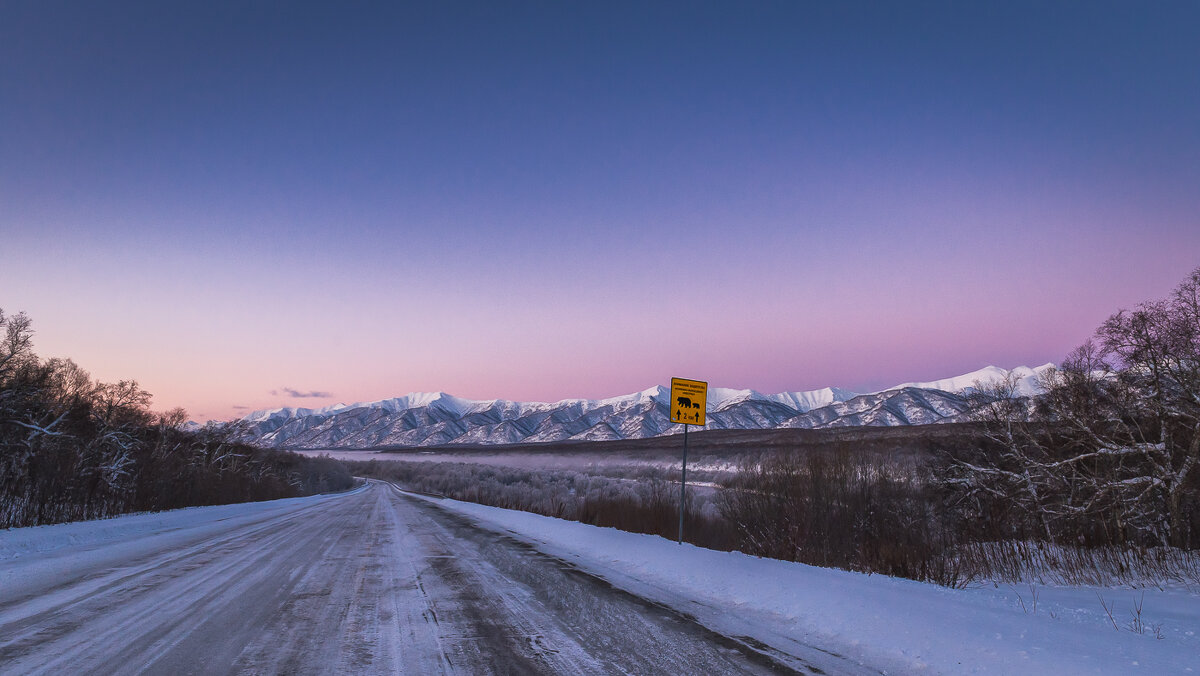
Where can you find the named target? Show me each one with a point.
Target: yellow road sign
(688, 401)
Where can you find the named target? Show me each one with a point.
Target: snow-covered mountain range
(429, 419)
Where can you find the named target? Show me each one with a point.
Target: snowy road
(369, 582)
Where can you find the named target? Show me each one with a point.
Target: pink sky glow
(546, 202)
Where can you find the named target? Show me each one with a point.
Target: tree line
(74, 448)
(1096, 479)
(1109, 454)
(1100, 470)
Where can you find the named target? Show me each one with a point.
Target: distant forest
(72, 448)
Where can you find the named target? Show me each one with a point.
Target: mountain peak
(1027, 380)
(434, 418)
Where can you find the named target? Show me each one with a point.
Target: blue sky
(528, 200)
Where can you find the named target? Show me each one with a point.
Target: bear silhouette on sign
(684, 402)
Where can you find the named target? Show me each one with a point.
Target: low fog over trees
(74, 448)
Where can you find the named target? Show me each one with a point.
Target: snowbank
(896, 625)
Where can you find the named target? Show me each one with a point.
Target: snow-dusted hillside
(1026, 380)
(436, 418)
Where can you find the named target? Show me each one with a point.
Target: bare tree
(17, 343)
(73, 448)
(1111, 451)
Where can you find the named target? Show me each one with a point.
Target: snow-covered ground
(898, 625)
(36, 557)
(367, 582)
(787, 609)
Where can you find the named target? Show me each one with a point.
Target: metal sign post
(683, 485)
(689, 401)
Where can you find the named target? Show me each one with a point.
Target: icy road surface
(372, 581)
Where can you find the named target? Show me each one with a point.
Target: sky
(258, 204)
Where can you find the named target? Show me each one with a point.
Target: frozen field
(666, 463)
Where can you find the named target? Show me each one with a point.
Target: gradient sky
(239, 203)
